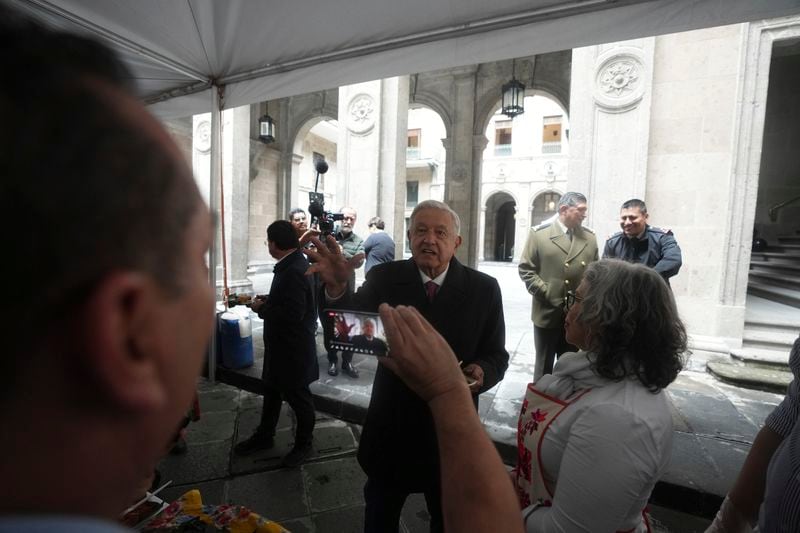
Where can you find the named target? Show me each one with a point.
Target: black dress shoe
(297, 456)
(254, 444)
(332, 370)
(350, 370)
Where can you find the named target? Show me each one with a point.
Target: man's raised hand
(327, 261)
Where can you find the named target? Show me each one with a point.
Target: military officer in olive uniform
(556, 254)
(639, 242)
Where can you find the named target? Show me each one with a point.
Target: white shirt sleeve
(609, 467)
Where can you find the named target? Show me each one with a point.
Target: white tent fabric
(260, 50)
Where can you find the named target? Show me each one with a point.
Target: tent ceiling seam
(119, 40)
(199, 35)
(450, 32)
(460, 30)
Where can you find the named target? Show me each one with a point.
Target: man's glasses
(570, 300)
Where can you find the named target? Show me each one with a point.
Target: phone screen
(356, 331)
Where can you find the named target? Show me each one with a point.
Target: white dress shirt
(604, 453)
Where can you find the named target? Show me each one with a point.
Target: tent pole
(213, 205)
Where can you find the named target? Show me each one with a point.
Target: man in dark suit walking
(398, 447)
(290, 349)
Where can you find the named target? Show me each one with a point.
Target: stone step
(776, 294)
(784, 247)
(780, 323)
(791, 268)
(762, 357)
(778, 279)
(789, 239)
(792, 257)
(768, 379)
(780, 337)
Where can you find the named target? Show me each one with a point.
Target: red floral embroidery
(524, 499)
(524, 466)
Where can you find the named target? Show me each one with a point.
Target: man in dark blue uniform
(639, 242)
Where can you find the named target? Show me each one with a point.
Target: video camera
(316, 205)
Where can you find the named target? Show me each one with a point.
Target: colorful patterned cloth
(189, 514)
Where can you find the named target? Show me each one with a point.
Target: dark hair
(293, 212)
(635, 203)
(571, 199)
(283, 234)
(633, 323)
(377, 222)
(90, 191)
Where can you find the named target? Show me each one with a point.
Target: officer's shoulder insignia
(590, 230)
(542, 226)
(614, 236)
(665, 231)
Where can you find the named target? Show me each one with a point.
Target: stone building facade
(677, 120)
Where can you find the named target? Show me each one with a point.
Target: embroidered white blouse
(603, 454)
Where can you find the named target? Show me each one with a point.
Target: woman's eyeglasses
(570, 300)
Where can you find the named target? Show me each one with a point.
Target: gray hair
(377, 222)
(571, 199)
(441, 206)
(633, 323)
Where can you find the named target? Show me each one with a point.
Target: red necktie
(431, 288)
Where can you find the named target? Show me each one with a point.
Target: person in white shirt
(595, 436)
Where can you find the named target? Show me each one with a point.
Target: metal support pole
(213, 201)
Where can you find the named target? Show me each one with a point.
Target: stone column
(263, 200)
(482, 234)
(236, 181)
(479, 143)
(373, 117)
(392, 171)
(462, 175)
(609, 127)
(236, 187)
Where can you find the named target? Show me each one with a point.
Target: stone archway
(500, 227)
(544, 206)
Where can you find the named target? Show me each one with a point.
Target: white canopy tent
(250, 51)
(262, 50)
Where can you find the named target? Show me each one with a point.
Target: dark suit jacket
(361, 342)
(290, 347)
(398, 442)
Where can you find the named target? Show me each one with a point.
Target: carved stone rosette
(361, 114)
(202, 137)
(619, 79)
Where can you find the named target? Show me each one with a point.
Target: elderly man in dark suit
(398, 448)
(290, 349)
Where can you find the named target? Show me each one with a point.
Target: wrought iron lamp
(266, 128)
(513, 95)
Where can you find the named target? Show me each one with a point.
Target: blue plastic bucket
(236, 339)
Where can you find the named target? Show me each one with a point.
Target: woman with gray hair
(595, 436)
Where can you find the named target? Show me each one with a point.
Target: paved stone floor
(324, 495)
(714, 427)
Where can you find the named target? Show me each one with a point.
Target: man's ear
(117, 333)
(458, 242)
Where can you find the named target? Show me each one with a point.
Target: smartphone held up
(356, 331)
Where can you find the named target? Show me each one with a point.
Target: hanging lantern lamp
(513, 95)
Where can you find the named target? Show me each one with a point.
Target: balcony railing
(501, 150)
(551, 148)
(412, 153)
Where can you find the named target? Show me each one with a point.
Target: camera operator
(351, 244)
